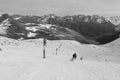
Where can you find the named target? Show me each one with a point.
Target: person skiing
(74, 56)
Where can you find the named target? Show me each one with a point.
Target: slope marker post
(44, 45)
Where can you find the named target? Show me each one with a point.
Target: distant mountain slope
(13, 28)
(53, 32)
(115, 20)
(95, 28)
(16, 29)
(91, 27)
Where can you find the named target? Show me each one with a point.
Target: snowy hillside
(23, 60)
(114, 46)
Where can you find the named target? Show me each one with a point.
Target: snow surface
(3, 27)
(34, 29)
(45, 25)
(23, 60)
(17, 18)
(30, 34)
(27, 24)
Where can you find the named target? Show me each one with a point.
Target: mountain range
(82, 28)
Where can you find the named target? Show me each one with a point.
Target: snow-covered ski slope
(23, 60)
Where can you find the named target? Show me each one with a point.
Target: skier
(74, 56)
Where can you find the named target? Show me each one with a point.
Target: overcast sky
(60, 7)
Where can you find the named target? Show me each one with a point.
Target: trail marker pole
(44, 44)
(56, 50)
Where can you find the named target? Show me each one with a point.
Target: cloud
(41, 7)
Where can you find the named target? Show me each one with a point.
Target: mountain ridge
(92, 29)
